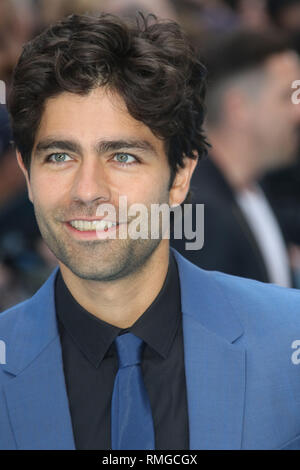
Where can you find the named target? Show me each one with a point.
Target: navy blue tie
(131, 417)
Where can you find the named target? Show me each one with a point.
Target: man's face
(275, 120)
(89, 151)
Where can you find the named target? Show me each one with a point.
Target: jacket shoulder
(8, 317)
(267, 304)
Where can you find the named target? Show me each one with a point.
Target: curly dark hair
(150, 63)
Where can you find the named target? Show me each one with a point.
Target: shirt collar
(157, 326)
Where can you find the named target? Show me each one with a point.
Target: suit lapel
(214, 367)
(215, 376)
(36, 396)
(38, 404)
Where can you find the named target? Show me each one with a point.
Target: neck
(235, 158)
(121, 302)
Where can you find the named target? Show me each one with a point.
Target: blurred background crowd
(250, 183)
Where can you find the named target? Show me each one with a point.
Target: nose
(90, 183)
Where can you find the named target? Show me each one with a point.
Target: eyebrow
(101, 146)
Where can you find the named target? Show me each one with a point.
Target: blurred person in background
(283, 185)
(253, 127)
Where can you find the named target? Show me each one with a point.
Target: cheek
(147, 187)
(147, 195)
(46, 191)
(159, 191)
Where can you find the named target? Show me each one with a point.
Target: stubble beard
(96, 260)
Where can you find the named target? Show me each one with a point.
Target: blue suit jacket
(243, 388)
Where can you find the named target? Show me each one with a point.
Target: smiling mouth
(92, 226)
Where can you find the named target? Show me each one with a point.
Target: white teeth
(86, 226)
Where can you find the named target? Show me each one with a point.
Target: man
(98, 112)
(253, 127)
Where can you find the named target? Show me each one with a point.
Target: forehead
(100, 114)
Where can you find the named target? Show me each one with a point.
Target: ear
(181, 183)
(25, 173)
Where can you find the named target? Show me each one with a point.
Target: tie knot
(129, 349)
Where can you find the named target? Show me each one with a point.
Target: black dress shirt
(90, 364)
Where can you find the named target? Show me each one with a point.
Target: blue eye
(58, 157)
(124, 158)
